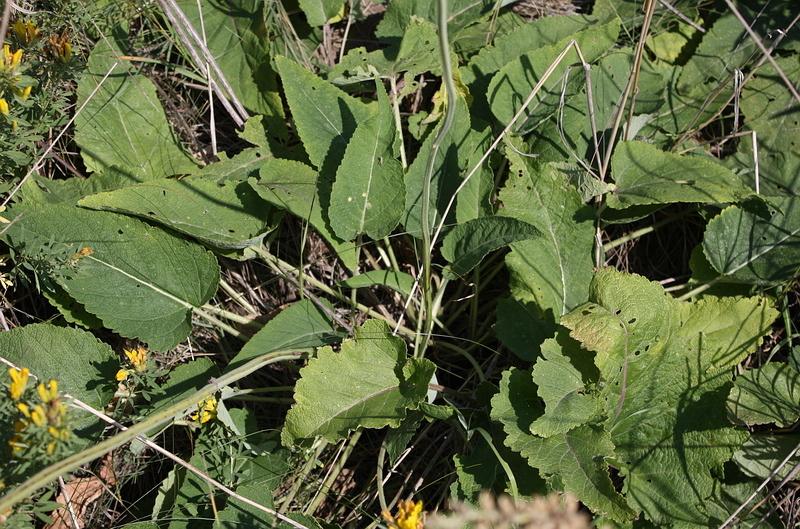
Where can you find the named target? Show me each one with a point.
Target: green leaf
(522, 326)
(235, 35)
(762, 454)
(297, 188)
(228, 215)
(515, 81)
(574, 461)
(318, 12)
(302, 325)
(771, 112)
(157, 277)
(451, 157)
(526, 38)
(553, 271)
(70, 190)
(568, 403)
(767, 394)
(724, 331)
(123, 124)
(83, 366)
(664, 390)
(370, 383)
(754, 243)
(368, 195)
(416, 54)
(326, 117)
(467, 244)
(644, 174)
(400, 13)
(398, 281)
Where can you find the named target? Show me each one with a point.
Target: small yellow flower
(11, 61)
(206, 410)
(22, 92)
(37, 416)
(3, 107)
(122, 374)
(48, 394)
(26, 32)
(19, 381)
(409, 516)
(138, 356)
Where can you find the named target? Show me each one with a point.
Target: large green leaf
(514, 82)
(573, 461)
(123, 123)
(467, 244)
(326, 117)
(644, 174)
(302, 325)
(568, 403)
(83, 366)
(297, 188)
(553, 271)
(664, 370)
(527, 37)
(754, 243)
(370, 383)
(770, 393)
(228, 215)
(141, 280)
(235, 34)
(71, 190)
(369, 192)
(761, 455)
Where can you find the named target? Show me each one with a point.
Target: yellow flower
(11, 61)
(22, 92)
(3, 107)
(19, 381)
(206, 410)
(26, 32)
(409, 516)
(122, 374)
(48, 395)
(37, 416)
(138, 356)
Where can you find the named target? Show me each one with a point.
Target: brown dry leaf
(83, 492)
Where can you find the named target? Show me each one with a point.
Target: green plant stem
(272, 260)
(180, 408)
(237, 297)
(228, 315)
(426, 320)
(222, 325)
(512, 482)
(322, 493)
(305, 471)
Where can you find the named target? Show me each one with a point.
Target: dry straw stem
(226, 96)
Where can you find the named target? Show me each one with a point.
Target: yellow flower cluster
(19, 381)
(409, 516)
(137, 358)
(26, 32)
(206, 410)
(50, 414)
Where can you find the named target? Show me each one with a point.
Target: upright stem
(450, 98)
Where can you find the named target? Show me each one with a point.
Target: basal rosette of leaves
(639, 385)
